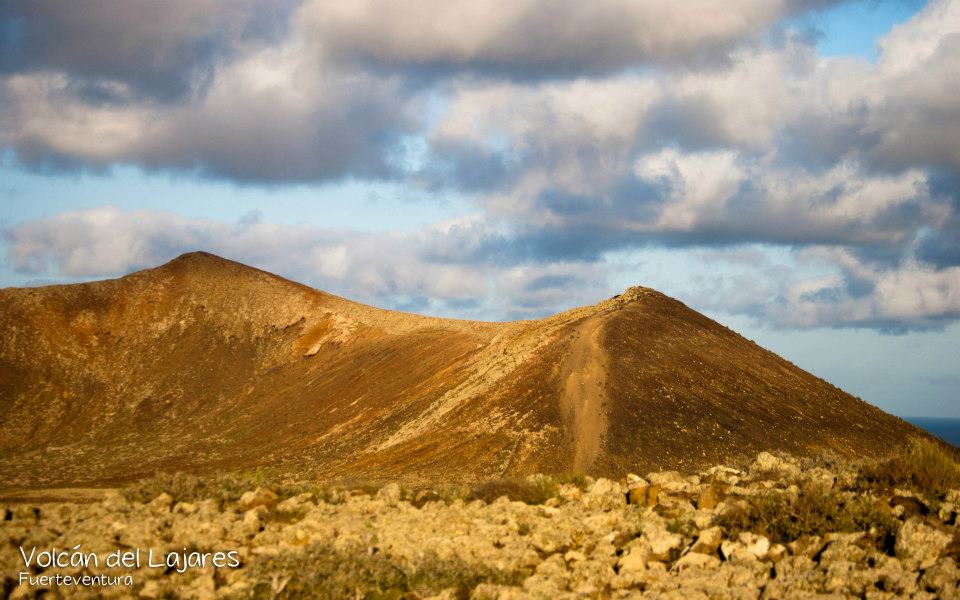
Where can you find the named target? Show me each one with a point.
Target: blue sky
(756, 168)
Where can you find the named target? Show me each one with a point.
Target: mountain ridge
(203, 363)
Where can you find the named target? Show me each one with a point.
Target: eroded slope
(205, 364)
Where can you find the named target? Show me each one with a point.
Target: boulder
(755, 545)
(696, 560)
(777, 552)
(259, 497)
(604, 495)
(721, 474)
(297, 502)
(390, 494)
(161, 504)
(768, 464)
(820, 476)
(709, 497)
(670, 481)
(908, 506)
(919, 544)
(730, 549)
(252, 522)
(634, 561)
(663, 544)
(708, 541)
(644, 495)
(944, 577)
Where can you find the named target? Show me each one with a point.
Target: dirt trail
(582, 403)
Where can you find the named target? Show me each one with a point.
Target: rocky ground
(777, 528)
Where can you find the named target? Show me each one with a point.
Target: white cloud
(678, 124)
(559, 36)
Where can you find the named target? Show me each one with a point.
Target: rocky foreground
(777, 528)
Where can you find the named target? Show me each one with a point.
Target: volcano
(204, 364)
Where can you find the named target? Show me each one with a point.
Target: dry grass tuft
(319, 571)
(923, 466)
(815, 510)
(535, 490)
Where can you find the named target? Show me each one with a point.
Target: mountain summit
(204, 364)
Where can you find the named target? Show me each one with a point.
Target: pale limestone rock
(551, 577)
(670, 481)
(300, 501)
(776, 553)
(259, 497)
(634, 561)
(390, 494)
(730, 550)
(919, 544)
(703, 519)
(891, 576)
(663, 544)
(709, 497)
(644, 495)
(766, 462)
(944, 578)
(755, 545)
(721, 474)
(696, 560)
(708, 541)
(252, 521)
(184, 508)
(604, 494)
(820, 476)
(161, 504)
(808, 546)
(569, 492)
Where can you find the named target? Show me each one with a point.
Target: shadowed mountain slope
(204, 364)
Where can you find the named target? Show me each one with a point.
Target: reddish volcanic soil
(205, 364)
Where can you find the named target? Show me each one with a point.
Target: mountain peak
(189, 371)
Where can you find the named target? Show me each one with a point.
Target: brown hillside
(205, 364)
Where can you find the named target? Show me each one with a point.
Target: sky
(790, 168)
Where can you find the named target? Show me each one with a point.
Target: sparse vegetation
(319, 571)
(534, 490)
(923, 465)
(357, 539)
(224, 488)
(815, 510)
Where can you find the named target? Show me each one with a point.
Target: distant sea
(945, 429)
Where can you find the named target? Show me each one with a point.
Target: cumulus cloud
(537, 37)
(158, 50)
(414, 270)
(274, 114)
(577, 130)
(912, 295)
